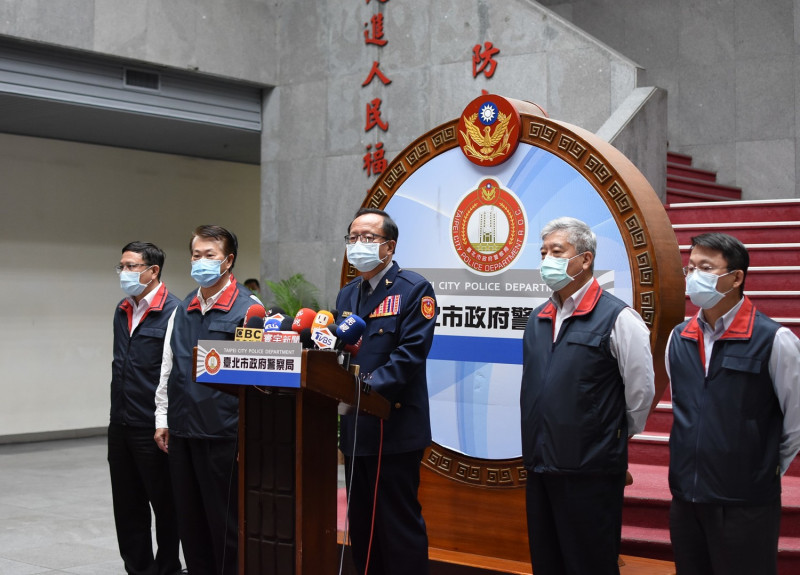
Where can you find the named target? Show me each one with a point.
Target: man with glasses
(735, 378)
(139, 470)
(382, 458)
(587, 386)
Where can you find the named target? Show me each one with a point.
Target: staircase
(770, 229)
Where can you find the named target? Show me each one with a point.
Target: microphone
(273, 324)
(252, 325)
(305, 338)
(303, 319)
(323, 337)
(286, 324)
(254, 317)
(348, 335)
(350, 330)
(274, 310)
(353, 349)
(323, 318)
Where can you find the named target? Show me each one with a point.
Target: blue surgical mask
(365, 257)
(701, 287)
(206, 272)
(554, 272)
(129, 282)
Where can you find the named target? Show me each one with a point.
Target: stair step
(771, 303)
(745, 232)
(741, 211)
(762, 254)
(684, 171)
(776, 278)
(677, 183)
(660, 420)
(677, 197)
(649, 447)
(678, 158)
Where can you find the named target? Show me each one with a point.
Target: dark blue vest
(196, 410)
(572, 398)
(727, 426)
(136, 367)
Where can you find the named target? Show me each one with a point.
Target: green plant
(294, 293)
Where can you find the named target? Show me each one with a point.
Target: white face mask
(554, 272)
(365, 257)
(701, 287)
(129, 282)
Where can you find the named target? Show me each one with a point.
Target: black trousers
(399, 538)
(712, 539)
(204, 480)
(574, 523)
(140, 478)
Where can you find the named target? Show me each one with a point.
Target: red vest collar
(157, 304)
(740, 328)
(587, 304)
(225, 301)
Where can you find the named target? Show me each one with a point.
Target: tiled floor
(55, 509)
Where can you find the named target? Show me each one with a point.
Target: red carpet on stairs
(770, 229)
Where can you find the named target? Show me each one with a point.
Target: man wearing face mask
(139, 470)
(735, 378)
(195, 424)
(587, 386)
(382, 467)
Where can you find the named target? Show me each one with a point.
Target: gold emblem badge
(428, 307)
(488, 130)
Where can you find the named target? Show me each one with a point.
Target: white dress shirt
(630, 346)
(141, 307)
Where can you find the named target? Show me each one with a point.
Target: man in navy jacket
(399, 308)
(735, 377)
(587, 386)
(139, 470)
(198, 425)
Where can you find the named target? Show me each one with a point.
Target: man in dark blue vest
(587, 386)
(139, 470)
(195, 424)
(382, 458)
(735, 379)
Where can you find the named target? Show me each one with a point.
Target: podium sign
(249, 363)
(288, 400)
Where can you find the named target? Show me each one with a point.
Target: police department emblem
(428, 307)
(489, 228)
(212, 362)
(488, 130)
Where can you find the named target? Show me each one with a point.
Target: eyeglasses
(128, 267)
(689, 270)
(363, 238)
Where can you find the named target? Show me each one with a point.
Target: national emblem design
(489, 228)
(428, 307)
(488, 130)
(213, 362)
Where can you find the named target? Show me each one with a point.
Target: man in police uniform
(399, 308)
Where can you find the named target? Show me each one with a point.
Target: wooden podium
(288, 467)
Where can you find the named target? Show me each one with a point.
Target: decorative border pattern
(621, 201)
